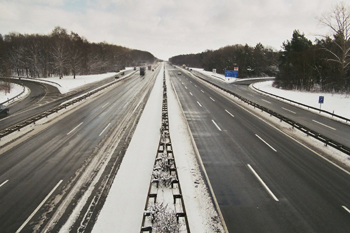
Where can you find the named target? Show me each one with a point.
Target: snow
(199, 206)
(221, 77)
(125, 203)
(337, 103)
(14, 91)
(68, 83)
(64, 85)
(124, 206)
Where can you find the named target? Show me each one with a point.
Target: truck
(142, 71)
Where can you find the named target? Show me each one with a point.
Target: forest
(61, 53)
(322, 65)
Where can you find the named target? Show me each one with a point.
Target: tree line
(252, 61)
(61, 53)
(301, 64)
(320, 66)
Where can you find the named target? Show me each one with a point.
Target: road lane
(295, 113)
(310, 190)
(60, 152)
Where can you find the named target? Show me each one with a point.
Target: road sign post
(320, 101)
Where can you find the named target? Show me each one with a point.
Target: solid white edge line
(263, 183)
(266, 143)
(229, 113)
(212, 99)
(3, 183)
(216, 125)
(104, 129)
(199, 104)
(344, 207)
(39, 206)
(75, 128)
(324, 125)
(284, 133)
(202, 165)
(289, 110)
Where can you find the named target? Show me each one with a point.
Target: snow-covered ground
(337, 103)
(64, 85)
(68, 83)
(14, 91)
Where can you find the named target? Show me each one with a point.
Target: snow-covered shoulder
(337, 103)
(12, 91)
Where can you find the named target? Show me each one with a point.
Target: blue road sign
(321, 99)
(232, 73)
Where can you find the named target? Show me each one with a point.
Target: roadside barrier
(165, 208)
(33, 119)
(327, 141)
(15, 97)
(304, 105)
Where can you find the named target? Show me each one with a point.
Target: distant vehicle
(142, 71)
(179, 73)
(4, 110)
(149, 67)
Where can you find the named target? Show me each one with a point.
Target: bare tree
(75, 51)
(338, 20)
(60, 54)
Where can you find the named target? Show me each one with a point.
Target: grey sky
(167, 27)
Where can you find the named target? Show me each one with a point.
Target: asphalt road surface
(42, 98)
(43, 168)
(264, 181)
(324, 125)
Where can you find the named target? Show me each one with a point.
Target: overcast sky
(169, 27)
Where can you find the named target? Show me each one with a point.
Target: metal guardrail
(164, 164)
(13, 98)
(37, 117)
(304, 105)
(294, 124)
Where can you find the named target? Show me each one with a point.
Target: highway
(330, 128)
(39, 175)
(43, 97)
(263, 180)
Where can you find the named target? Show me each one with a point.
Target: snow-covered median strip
(124, 206)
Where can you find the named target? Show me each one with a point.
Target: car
(4, 110)
(179, 73)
